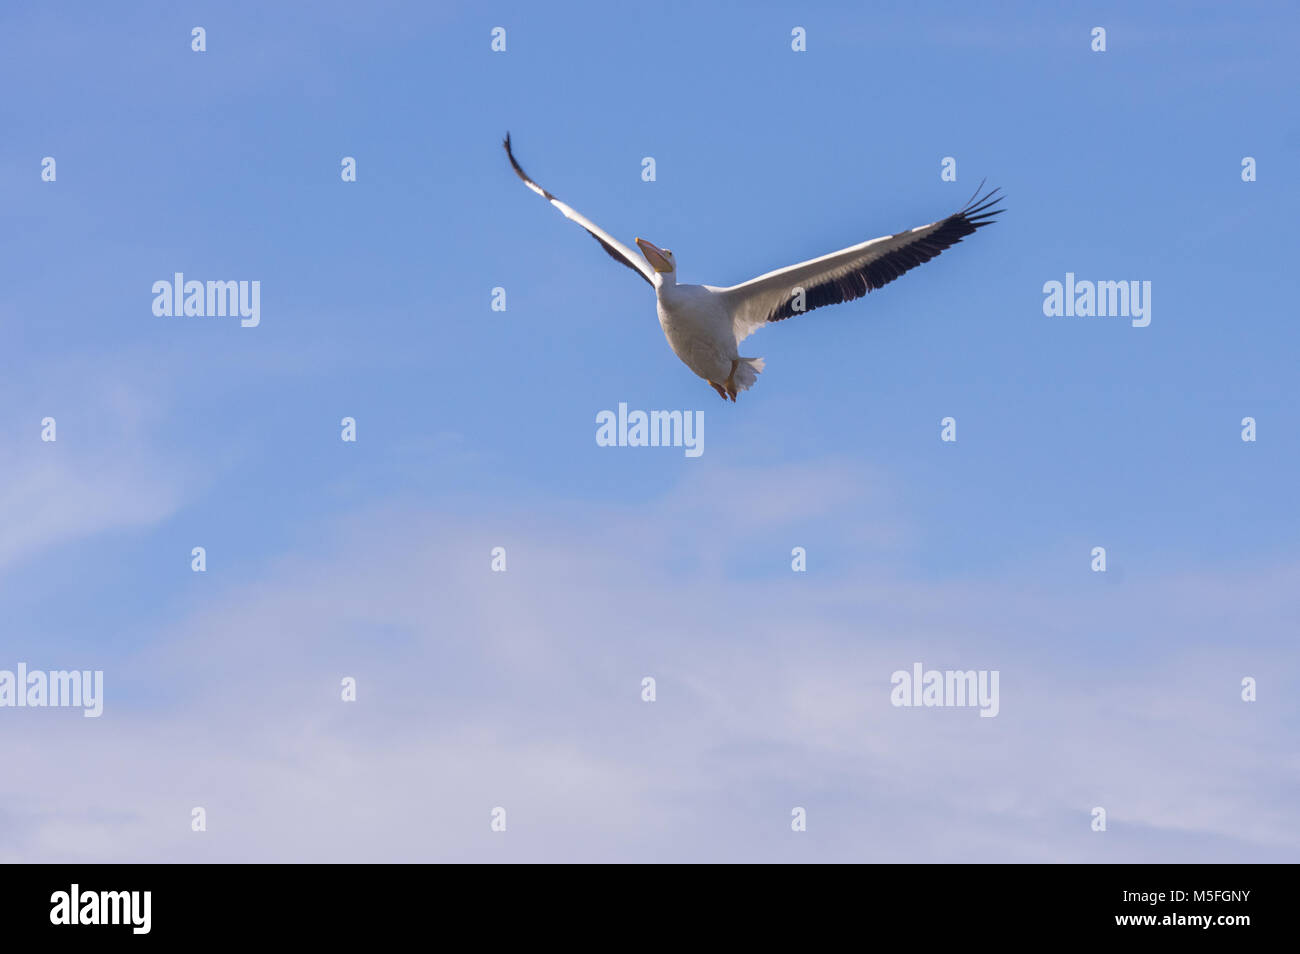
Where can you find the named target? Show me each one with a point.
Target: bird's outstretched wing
(852, 272)
(617, 250)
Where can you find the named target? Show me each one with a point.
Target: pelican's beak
(654, 255)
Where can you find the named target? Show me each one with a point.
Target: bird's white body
(700, 331)
(704, 324)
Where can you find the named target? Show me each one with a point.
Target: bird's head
(660, 259)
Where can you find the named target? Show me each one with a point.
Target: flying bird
(705, 325)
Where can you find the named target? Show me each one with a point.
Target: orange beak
(654, 255)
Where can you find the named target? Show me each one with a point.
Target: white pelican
(704, 325)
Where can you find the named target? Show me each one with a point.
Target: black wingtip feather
(979, 211)
(519, 170)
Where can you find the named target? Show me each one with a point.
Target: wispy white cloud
(522, 690)
(103, 472)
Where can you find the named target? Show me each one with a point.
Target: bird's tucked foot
(731, 380)
(718, 387)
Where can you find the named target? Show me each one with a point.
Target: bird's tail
(747, 373)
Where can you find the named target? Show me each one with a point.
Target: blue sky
(476, 430)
